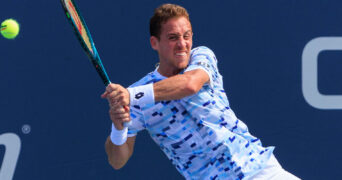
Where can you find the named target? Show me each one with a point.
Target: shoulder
(202, 53)
(202, 50)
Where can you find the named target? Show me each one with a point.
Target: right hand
(118, 100)
(116, 94)
(119, 115)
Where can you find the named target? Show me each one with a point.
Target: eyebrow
(176, 34)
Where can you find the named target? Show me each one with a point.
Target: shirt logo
(203, 64)
(139, 95)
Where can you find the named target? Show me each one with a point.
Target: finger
(118, 107)
(120, 120)
(111, 87)
(118, 125)
(110, 103)
(117, 117)
(126, 108)
(119, 110)
(108, 88)
(123, 115)
(126, 120)
(104, 95)
(118, 100)
(118, 94)
(113, 95)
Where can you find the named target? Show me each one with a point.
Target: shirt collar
(158, 75)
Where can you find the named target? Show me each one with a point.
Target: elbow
(192, 86)
(112, 160)
(115, 165)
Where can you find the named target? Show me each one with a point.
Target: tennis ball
(9, 28)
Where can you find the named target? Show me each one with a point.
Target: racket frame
(91, 53)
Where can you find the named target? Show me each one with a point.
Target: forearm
(180, 86)
(175, 87)
(118, 155)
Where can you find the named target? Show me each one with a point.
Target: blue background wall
(49, 87)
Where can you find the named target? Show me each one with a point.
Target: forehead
(176, 25)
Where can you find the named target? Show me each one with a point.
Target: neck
(167, 71)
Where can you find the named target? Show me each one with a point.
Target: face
(173, 46)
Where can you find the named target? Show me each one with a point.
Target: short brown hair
(162, 14)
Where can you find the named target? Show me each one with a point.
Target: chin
(183, 65)
(183, 62)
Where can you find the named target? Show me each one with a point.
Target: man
(185, 109)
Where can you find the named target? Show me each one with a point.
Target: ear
(154, 43)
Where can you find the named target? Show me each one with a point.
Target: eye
(173, 38)
(187, 36)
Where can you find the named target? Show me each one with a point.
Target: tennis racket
(83, 35)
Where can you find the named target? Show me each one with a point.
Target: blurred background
(51, 112)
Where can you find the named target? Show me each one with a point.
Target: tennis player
(183, 106)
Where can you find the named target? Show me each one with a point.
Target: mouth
(181, 54)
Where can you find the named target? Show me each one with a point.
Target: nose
(181, 43)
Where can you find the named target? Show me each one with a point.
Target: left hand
(116, 95)
(119, 116)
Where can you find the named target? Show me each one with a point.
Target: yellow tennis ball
(10, 28)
